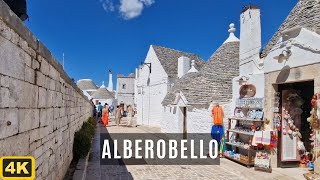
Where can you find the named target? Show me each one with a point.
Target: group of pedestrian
(129, 114)
(104, 111)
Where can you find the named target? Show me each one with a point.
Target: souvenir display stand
(262, 162)
(248, 118)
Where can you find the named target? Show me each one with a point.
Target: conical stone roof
(102, 93)
(305, 14)
(86, 84)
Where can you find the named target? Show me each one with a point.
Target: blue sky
(97, 35)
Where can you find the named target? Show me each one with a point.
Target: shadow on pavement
(116, 170)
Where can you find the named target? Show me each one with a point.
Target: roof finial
(232, 29)
(102, 86)
(232, 37)
(193, 69)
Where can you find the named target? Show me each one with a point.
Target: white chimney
(110, 85)
(250, 40)
(183, 66)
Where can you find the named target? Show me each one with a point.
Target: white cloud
(130, 9)
(108, 5)
(148, 2)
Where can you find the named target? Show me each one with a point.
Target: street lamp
(147, 64)
(283, 57)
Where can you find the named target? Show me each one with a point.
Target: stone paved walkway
(226, 171)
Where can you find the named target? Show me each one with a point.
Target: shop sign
(250, 103)
(247, 91)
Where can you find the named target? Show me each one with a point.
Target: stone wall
(40, 106)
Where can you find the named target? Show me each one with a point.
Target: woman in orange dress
(105, 115)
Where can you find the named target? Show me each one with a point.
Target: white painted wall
(198, 120)
(250, 41)
(153, 88)
(251, 66)
(256, 79)
(305, 47)
(170, 120)
(184, 65)
(125, 95)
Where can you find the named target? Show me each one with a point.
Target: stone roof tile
(169, 59)
(86, 84)
(102, 93)
(305, 14)
(213, 82)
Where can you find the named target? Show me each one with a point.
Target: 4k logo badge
(17, 168)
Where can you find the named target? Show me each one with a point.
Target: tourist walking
(99, 109)
(118, 115)
(129, 115)
(105, 115)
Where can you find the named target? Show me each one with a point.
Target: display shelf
(240, 132)
(248, 164)
(239, 146)
(246, 119)
(236, 147)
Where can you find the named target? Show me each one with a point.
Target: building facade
(291, 70)
(103, 94)
(125, 90)
(87, 86)
(188, 105)
(154, 79)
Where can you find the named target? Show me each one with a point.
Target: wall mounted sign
(250, 103)
(247, 91)
(276, 102)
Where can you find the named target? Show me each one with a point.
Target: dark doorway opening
(303, 91)
(184, 115)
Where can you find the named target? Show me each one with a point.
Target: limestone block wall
(40, 106)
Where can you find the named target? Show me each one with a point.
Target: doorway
(294, 98)
(183, 117)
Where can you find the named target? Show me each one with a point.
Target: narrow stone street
(227, 170)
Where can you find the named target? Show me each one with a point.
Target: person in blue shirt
(99, 109)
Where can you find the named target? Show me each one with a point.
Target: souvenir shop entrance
(294, 103)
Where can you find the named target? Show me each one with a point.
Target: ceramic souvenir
(241, 114)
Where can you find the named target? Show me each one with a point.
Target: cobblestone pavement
(226, 171)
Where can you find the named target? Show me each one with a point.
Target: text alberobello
(160, 149)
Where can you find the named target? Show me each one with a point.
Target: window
(124, 86)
